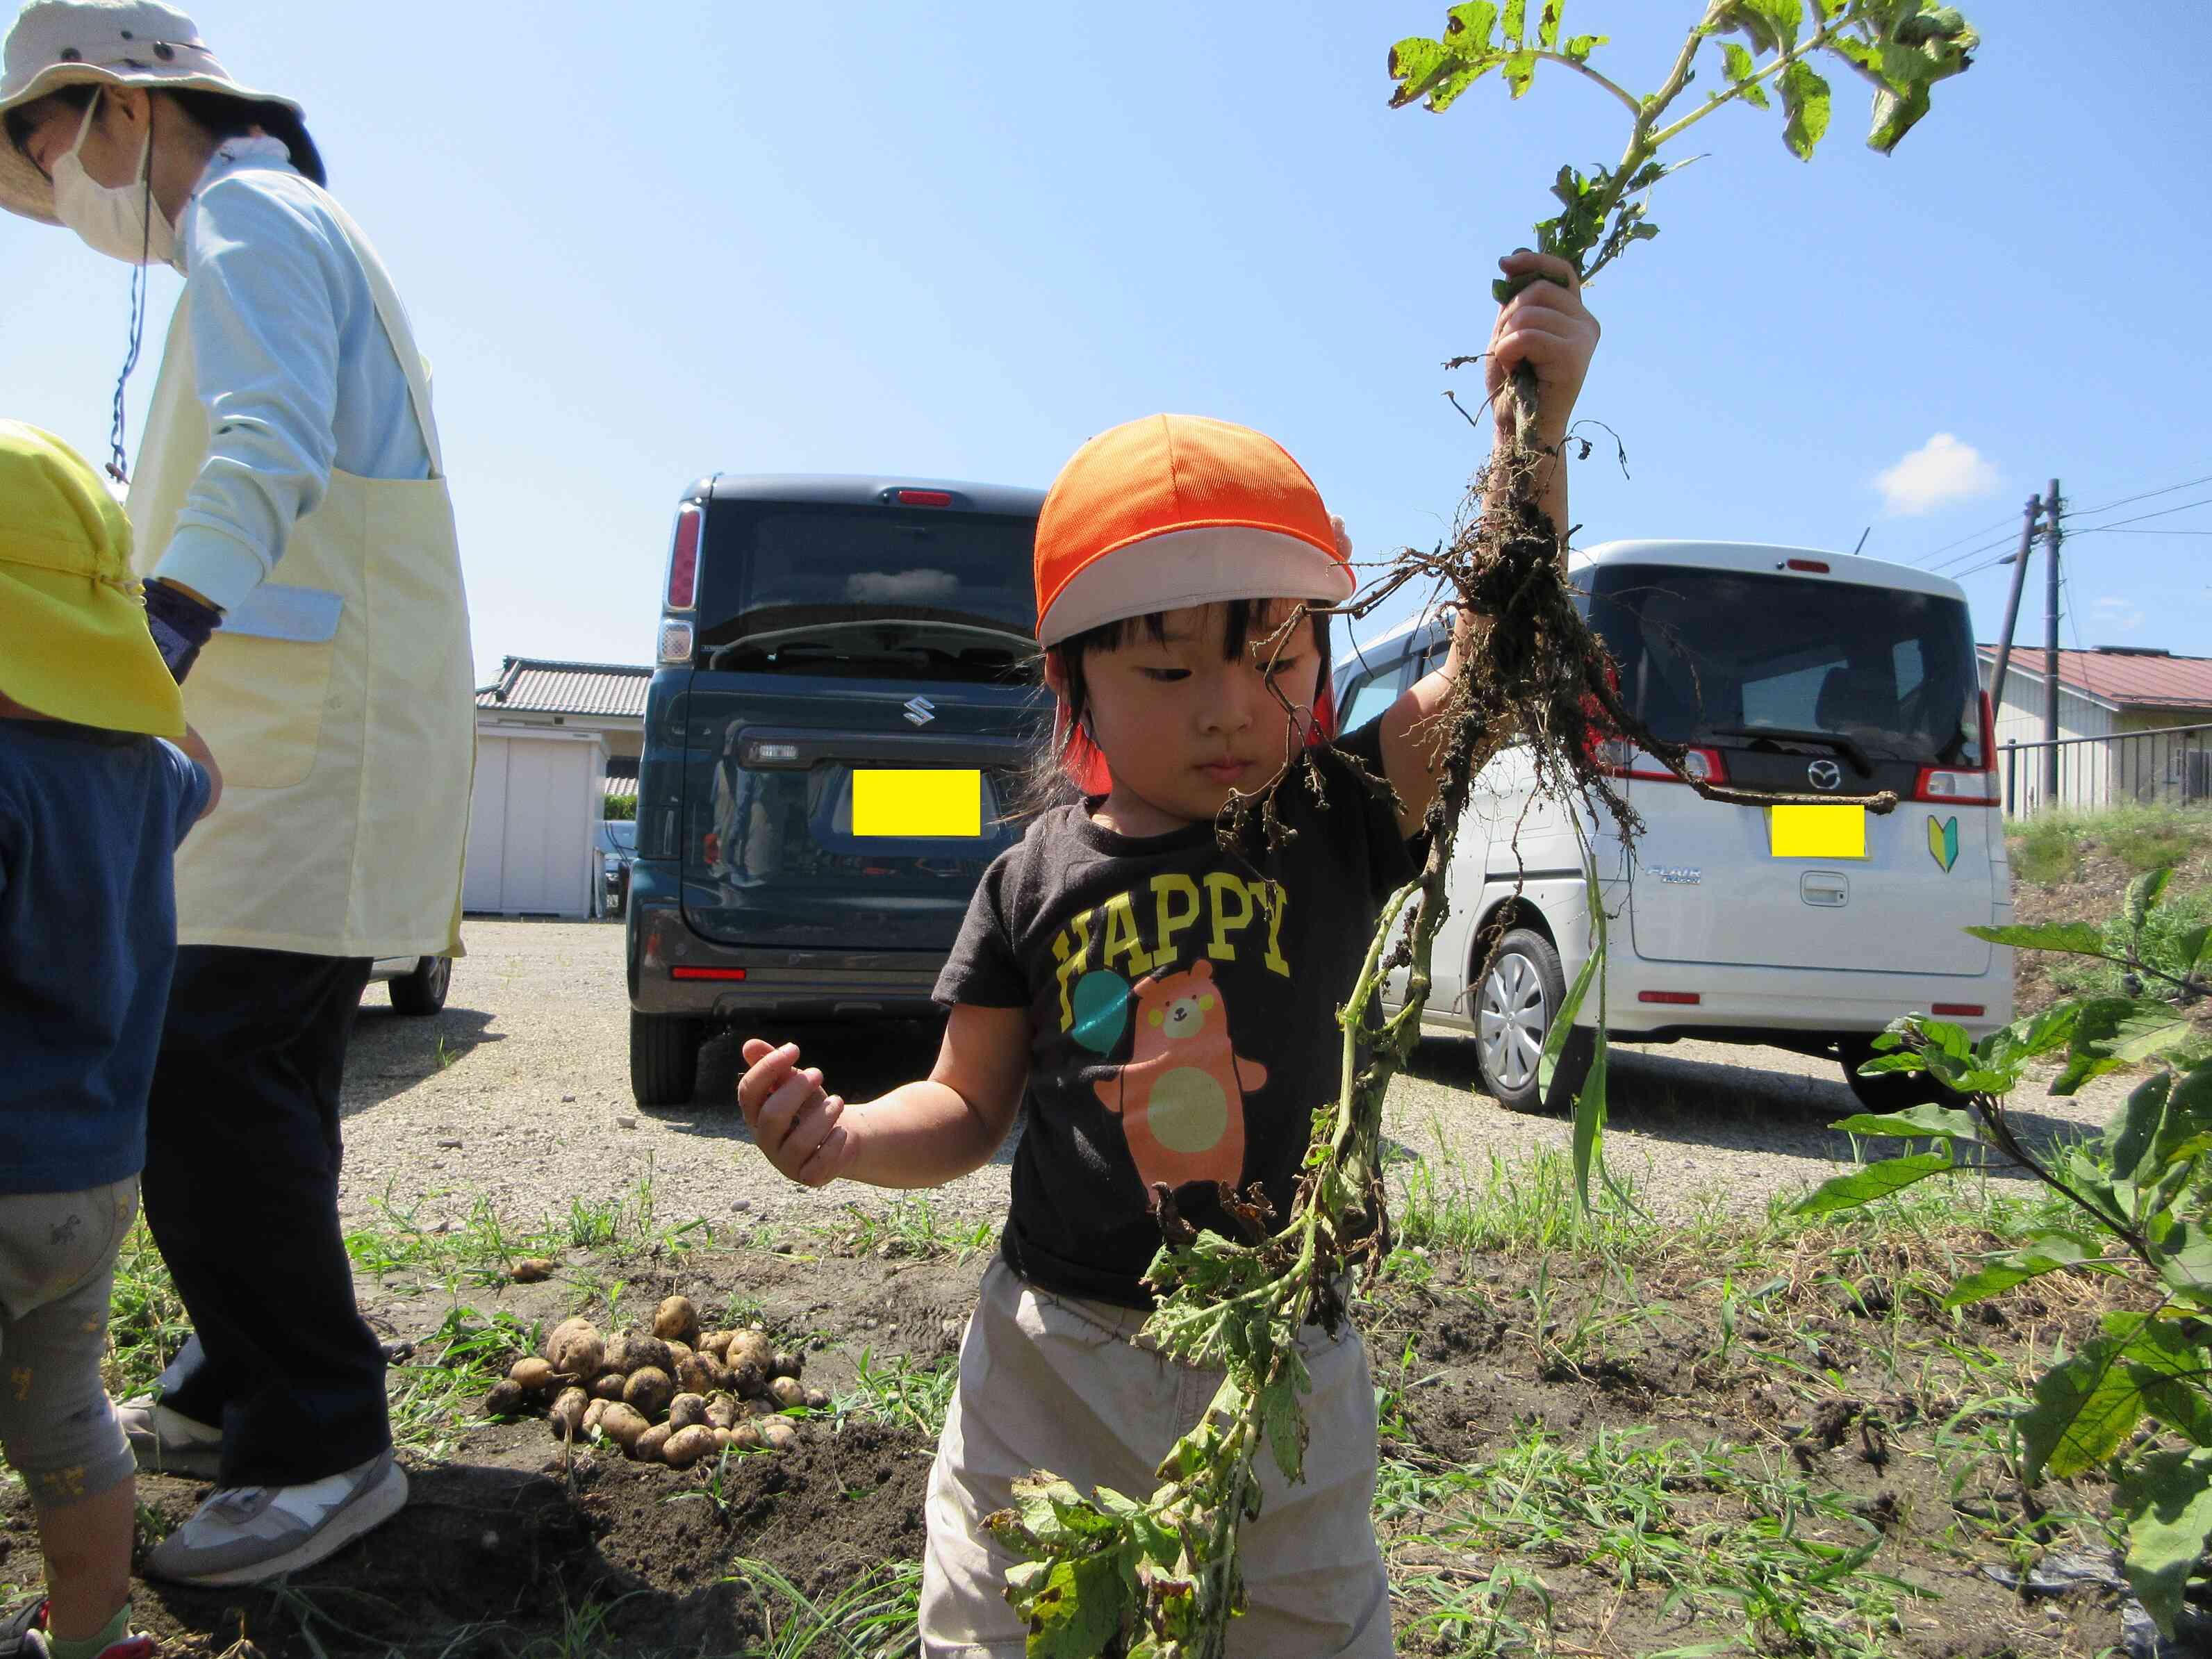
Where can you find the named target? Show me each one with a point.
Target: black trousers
(240, 1190)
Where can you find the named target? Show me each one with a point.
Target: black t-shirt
(1183, 1026)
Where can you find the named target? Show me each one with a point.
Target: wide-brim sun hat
(1178, 510)
(74, 643)
(103, 43)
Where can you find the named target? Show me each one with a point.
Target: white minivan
(1782, 669)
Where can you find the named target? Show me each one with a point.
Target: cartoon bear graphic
(1181, 1099)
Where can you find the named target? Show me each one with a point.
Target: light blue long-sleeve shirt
(293, 366)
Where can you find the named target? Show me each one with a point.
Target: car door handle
(1829, 888)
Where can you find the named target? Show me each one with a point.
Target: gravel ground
(519, 1092)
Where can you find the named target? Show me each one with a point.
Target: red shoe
(36, 1645)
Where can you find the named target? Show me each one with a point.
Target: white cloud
(1940, 472)
(2117, 613)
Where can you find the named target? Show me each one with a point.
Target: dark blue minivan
(845, 700)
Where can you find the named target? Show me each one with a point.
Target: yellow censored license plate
(918, 804)
(1816, 832)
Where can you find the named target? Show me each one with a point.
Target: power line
(1923, 560)
(2099, 530)
(2164, 512)
(2125, 499)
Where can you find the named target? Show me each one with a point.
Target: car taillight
(923, 497)
(712, 846)
(707, 972)
(1618, 757)
(683, 559)
(1958, 1011)
(1951, 785)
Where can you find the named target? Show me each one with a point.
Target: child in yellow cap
(94, 801)
(1165, 1007)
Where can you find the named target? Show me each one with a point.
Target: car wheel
(1515, 999)
(1885, 1091)
(423, 991)
(664, 1058)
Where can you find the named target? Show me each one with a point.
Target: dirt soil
(2096, 892)
(512, 1546)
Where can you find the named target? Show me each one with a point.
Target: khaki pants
(1053, 1382)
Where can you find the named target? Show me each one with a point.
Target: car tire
(664, 1058)
(423, 991)
(1885, 1091)
(1516, 996)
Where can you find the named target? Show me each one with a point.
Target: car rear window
(791, 586)
(1701, 651)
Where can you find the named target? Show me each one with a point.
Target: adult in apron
(304, 585)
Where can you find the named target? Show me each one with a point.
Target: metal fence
(2169, 767)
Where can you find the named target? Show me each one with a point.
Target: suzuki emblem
(1825, 774)
(921, 711)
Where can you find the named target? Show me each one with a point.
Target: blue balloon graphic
(1102, 1010)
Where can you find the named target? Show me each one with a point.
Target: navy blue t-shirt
(89, 825)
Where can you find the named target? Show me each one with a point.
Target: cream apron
(339, 698)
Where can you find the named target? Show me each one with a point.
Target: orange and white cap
(1178, 510)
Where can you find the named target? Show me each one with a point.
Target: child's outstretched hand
(796, 1125)
(1547, 326)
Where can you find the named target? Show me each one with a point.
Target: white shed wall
(535, 803)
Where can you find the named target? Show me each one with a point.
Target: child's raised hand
(796, 1125)
(1547, 326)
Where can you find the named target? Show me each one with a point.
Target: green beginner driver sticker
(1943, 840)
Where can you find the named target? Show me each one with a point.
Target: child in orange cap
(1165, 1007)
(93, 804)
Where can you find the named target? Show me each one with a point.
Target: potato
(680, 1351)
(780, 1433)
(749, 1348)
(726, 1438)
(650, 1444)
(716, 1343)
(676, 1320)
(608, 1385)
(722, 1411)
(633, 1352)
(533, 1374)
(699, 1374)
(687, 1446)
(566, 1416)
(818, 1399)
(786, 1364)
(575, 1348)
(532, 1270)
(747, 1380)
(623, 1423)
(505, 1399)
(686, 1410)
(759, 1405)
(746, 1436)
(594, 1414)
(649, 1390)
(787, 1391)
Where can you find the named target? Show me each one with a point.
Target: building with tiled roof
(2135, 724)
(606, 697)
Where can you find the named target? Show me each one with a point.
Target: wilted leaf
(2167, 1501)
(2084, 1408)
(1847, 1192)
(1805, 108)
(1771, 24)
(1579, 47)
(1285, 1422)
(1078, 1612)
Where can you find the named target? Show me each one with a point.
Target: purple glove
(180, 625)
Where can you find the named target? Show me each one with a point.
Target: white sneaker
(166, 1442)
(244, 1534)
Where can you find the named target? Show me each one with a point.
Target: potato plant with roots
(1157, 1576)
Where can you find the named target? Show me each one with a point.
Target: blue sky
(954, 240)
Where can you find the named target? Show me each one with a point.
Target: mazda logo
(921, 711)
(1825, 774)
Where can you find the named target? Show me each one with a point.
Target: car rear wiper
(1835, 740)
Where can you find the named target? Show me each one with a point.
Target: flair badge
(1943, 840)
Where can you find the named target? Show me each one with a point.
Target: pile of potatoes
(674, 1396)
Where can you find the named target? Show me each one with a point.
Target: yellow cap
(73, 638)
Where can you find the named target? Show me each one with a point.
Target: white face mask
(120, 220)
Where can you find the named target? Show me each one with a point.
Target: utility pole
(2019, 563)
(2052, 536)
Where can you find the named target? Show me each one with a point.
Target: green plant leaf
(2045, 1253)
(2084, 1408)
(2077, 938)
(2181, 1406)
(1579, 47)
(1563, 1023)
(1078, 1611)
(2170, 1371)
(1548, 27)
(2184, 1261)
(1590, 1116)
(2032, 1037)
(2144, 892)
(1847, 1192)
(2128, 1137)
(1286, 1423)
(1942, 1122)
(1805, 102)
(2167, 1501)
(1772, 25)
(1741, 69)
